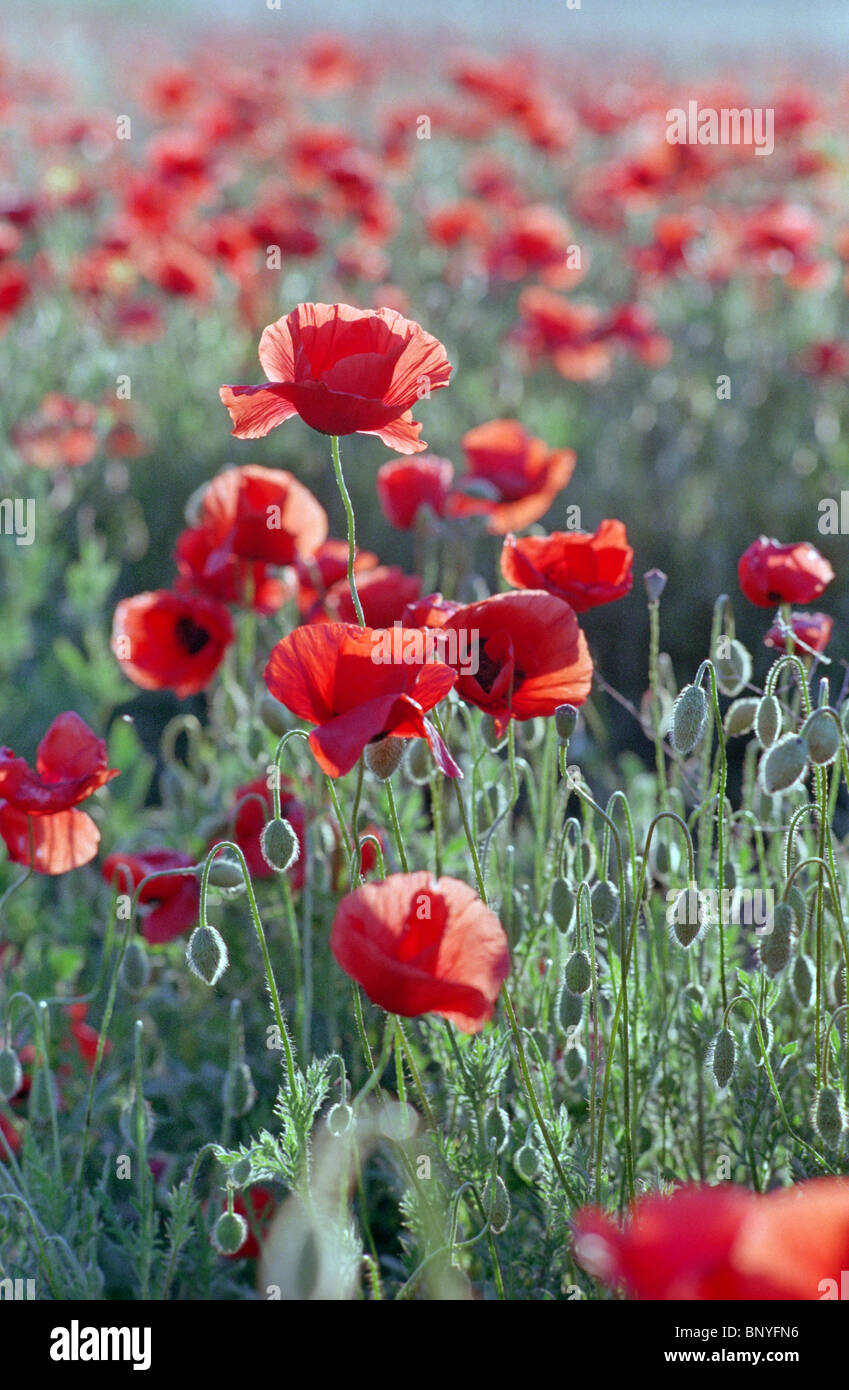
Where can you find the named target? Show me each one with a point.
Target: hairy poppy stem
(349, 513)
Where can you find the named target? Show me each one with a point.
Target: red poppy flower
(12, 1138)
(771, 573)
(383, 593)
(60, 842)
(317, 573)
(344, 371)
(523, 475)
(86, 1038)
(811, 630)
(252, 817)
(169, 905)
(205, 568)
(420, 945)
(60, 434)
(535, 241)
(567, 332)
(431, 611)
(14, 291)
(531, 655)
(339, 677)
(708, 1243)
(262, 514)
(824, 359)
(168, 641)
(582, 567)
(70, 764)
(402, 488)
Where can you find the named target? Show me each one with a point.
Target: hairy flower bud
(226, 872)
(419, 764)
(206, 954)
(733, 667)
(278, 845)
(229, 1233)
(570, 1010)
(689, 716)
(574, 1061)
(804, 980)
(383, 757)
(655, 582)
(11, 1073)
(134, 974)
(767, 720)
(496, 1128)
(740, 717)
(605, 902)
(340, 1118)
(493, 740)
(239, 1090)
(496, 1204)
(775, 946)
(723, 1057)
(822, 736)
(828, 1116)
(562, 904)
(565, 720)
(578, 974)
(687, 916)
(241, 1173)
(783, 764)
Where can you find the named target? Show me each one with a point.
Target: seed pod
(828, 1116)
(570, 1010)
(565, 720)
(226, 872)
(734, 668)
(340, 1117)
(574, 1061)
(526, 1162)
(767, 720)
(562, 904)
(775, 946)
(723, 1057)
(783, 764)
(239, 1089)
(134, 974)
(496, 1128)
(229, 1233)
(383, 756)
(740, 717)
(605, 902)
(822, 736)
(689, 716)
(279, 845)
(241, 1172)
(11, 1073)
(496, 1204)
(419, 764)
(754, 1042)
(206, 954)
(687, 917)
(578, 974)
(804, 980)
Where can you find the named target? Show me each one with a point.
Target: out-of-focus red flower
(634, 327)
(70, 764)
(168, 641)
(569, 333)
(60, 842)
(61, 434)
(14, 291)
(179, 270)
(674, 234)
(402, 488)
(584, 568)
(521, 473)
(330, 64)
(340, 678)
(317, 573)
(257, 1206)
(169, 905)
(535, 241)
(420, 945)
(344, 371)
(771, 573)
(261, 514)
(813, 630)
(709, 1243)
(824, 359)
(251, 818)
(383, 592)
(466, 220)
(85, 1037)
(203, 568)
(11, 1135)
(430, 611)
(531, 655)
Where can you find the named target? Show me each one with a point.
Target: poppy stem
(349, 513)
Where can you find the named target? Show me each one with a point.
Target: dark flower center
(190, 636)
(488, 672)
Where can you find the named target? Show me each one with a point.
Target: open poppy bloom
(402, 488)
(169, 905)
(583, 568)
(531, 655)
(260, 514)
(771, 573)
(168, 641)
(204, 568)
(810, 630)
(383, 592)
(317, 573)
(707, 1243)
(333, 675)
(344, 371)
(420, 945)
(520, 474)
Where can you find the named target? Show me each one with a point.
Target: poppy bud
(754, 1041)
(733, 669)
(578, 975)
(526, 1162)
(729, 877)
(655, 582)
(241, 1173)
(135, 968)
(562, 903)
(128, 1118)
(783, 765)
(496, 1128)
(419, 764)
(229, 1233)
(11, 1073)
(822, 737)
(496, 1204)
(723, 1056)
(239, 1089)
(206, 954)
(274, 716)
(837, 986)
(490, 737)
(803, 980)
(775, 947)
(340, 1118)
(226, 872)
(798, 906)
(383, 756)
(828, 1116)
(740, 717)
(570, 1010)
(605, 902)
(279, 846)
(687, 917)
(565, 720)
(689, 716)
(767, 720)
(574, 1061)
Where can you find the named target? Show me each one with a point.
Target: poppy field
(424, 733)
